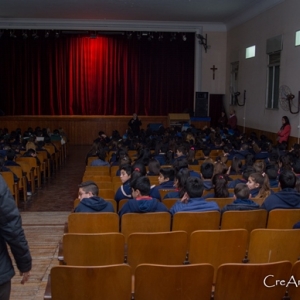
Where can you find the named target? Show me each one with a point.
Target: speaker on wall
(201, 104)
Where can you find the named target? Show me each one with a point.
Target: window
(250, 52)
(234, 76)
(297, 39)
(273, 80)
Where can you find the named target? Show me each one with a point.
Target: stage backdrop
(103, 76)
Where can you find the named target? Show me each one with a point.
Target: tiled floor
(59, 192)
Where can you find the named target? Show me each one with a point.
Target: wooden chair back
(283, 218)
(98, 169)
(205, 192)
(164, 192)
(103, 282)
(112, 201)
(121, 203)
(259, 201)
(31, 161)
(104, 185)
(93, 222)
(195, 168)
(95, 177)
(22, 183)
(169, 202)
(29, 174)
(154, 248)
(90, 159)
(12, 185)
(153, 180)
(113, 170)
(293, 290)
(192, 221)
(248, 281)
(191, 282)
(221, 201)
(96, 249)
(271, 245)
(107, 193)
(218, 247)
(145, 222)
(275, 189)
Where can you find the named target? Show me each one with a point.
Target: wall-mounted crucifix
(214, 69)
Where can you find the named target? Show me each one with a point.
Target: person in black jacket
(11, 234)
(135, 124)
(89, 200)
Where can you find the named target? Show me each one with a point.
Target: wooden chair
(283, 218)
(93, 222)
(191, 282)
(271, 245)
(54, 157)
(22, 183)
(164, 192)
(93, 283)
(29, 174)
(236, 176)
(147, 222)
(107, 185)
(112, 201)
(221, 201)
(116, 185)
(121, 203)
(153, 180)
(113, 170)
(251, 281)
(217, 247)
(31, 161)
(259, 201)
(154, 248)
(205, 192)
(90, 159)
(275, 189)
(247, 219)
(195, 168)
(45, 164)
(12, 185)
(192, 221)
(105, 170)
(107, 193)
(293, 290)
(96, 249)
(95, 177)
(169, 202)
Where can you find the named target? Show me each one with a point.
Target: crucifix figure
(214, 69)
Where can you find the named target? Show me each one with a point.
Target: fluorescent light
(297, 39)
(250, 52)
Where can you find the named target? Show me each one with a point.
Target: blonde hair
(30, 145)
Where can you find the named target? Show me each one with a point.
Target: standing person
(232, 121)
(285, 130)
(222, 120)
(11, 233)
(135, 124)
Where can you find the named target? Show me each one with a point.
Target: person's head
(87, 189)
(241, 191)
(166, 174)
(139, 168)
(180, 150)
(102, 154)
(154, 166)
(125, 173)
(232, 112)
(287, 179)
(31, 152)
(206, 152)
(180, 179)
(236, 164)
(10, 154)
(296, 166)
(259, 166)
(134, 115)
(30, 145)
(272, 172)
(248, 172)
(207, 170)
(285, 120)
(219, 182)
(194, 187)
(249, 159)
(140, 187)
(260, 181)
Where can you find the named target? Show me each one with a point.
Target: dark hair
(207, 170)
(236, 165)
(264, 184)
(194, 187)
(10, 154)
(296, 166)
(140, 168)
(127, 169)
(219, 182)
(241, 191)
(272, 171)
(287, 122)
(154, 166)
(102, 154)
(287, 179)
(182, 175)
(89, 186)
(167, 173)
(142, 184)
(182, 149)
(248, 172)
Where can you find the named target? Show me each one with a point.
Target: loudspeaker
(201, 104)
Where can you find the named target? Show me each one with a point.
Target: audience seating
(112, 201)
(42, 156)
(294, 290)
(167, 248)
(107, 193)
(121, 203)
(22, 183)
(92, 249)
(116, 185)
(90, 159)
(93, 222)
(271, 245)
(247, 281)
(221, 201)
(147, 222)
(259, 201)
(164, 192)
(95, 177)
(153, 180)
(113, 170)
(104, 170)
(180, 282)
(283, 218)
(169, 202)
(31, 161)
(217, 247)
(29, 174)
(12, 185)
(195, 168)
(93, 283)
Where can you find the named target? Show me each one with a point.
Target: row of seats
(186, 221)
(193, 282)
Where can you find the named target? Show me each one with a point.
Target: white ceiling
(68, 13)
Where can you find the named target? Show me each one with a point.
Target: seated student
(101, 159)
(183, 163)
(142, 202)
(244, 179)
(288, 197)
(181, 153)
(32, 153)
(219, 182)
(124, 191)
(207, 172)
(272, 173)
(179, 182)
(192, 199)
(89, 200)
(153, 167)
(242, 199)
(3, 168)
(258, 184)
(10, 158)
(166, 181)
(296, 167)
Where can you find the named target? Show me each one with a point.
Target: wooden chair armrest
(60, 256)
(66, 228)
(48, 294)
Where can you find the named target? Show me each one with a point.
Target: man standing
(12, 234)
(135, 124)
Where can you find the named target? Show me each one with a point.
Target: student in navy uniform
(89, 200)
(258, 184)
(192, 199)
(179, 183)
(124, 191)
(207, 172)
(142, 202)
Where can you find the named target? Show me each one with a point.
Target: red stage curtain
(102, 76)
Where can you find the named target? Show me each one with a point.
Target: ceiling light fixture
(184, 38)
(47, 33)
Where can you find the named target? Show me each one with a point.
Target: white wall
(284, 20)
